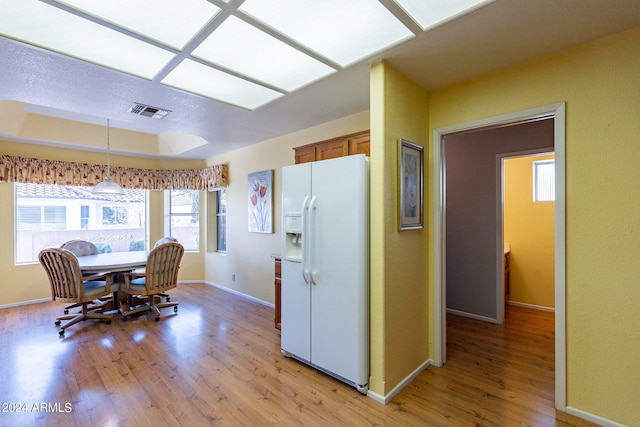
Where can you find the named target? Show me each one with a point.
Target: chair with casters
(161, 275)
(80, 248)
(140, 271)
(165, 239)
(68, 284)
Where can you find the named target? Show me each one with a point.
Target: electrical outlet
(233, 277)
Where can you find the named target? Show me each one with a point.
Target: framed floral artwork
(411, 164)
(260, 193)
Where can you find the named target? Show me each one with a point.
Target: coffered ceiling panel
(238, 72)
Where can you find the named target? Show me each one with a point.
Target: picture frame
(411, 185)
(260, 201)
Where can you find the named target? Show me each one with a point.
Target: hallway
(495, 375)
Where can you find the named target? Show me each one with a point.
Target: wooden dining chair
(140, 271)
(165, 239)
(161, 275)
(81, 248)
(68, 284)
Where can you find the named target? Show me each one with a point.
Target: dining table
(113, 263)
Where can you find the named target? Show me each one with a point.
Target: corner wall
(399, 269)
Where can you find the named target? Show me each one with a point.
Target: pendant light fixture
(108, 187)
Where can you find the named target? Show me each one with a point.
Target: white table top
(113, 261)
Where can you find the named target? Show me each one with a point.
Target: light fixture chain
(108, 148)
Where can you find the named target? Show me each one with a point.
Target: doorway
(528, 202)
(557, 112)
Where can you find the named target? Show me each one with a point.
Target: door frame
(556, 111)
(500, 182)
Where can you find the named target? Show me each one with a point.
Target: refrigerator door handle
(312, 236)
(306, 275)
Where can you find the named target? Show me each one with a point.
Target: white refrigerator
(325, 267)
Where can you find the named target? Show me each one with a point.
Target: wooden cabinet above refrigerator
(346, 145)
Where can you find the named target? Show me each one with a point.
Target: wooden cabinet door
(355, 143)
(305, 154)
(359, 144)
(278, 292)
(332, 149)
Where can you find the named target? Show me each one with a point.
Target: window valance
(40, 171)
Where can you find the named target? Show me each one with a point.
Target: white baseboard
(375, 396)
(181, 282)
(593, 418)
(189, 282)
(491, 320)
(18, 304)
(240, 294)
(535, 307)
(398, 388)
(471, 315)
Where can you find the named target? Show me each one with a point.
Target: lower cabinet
(277, 285)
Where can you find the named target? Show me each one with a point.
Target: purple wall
(473, 194)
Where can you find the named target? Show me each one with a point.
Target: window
(544, 181)
(221, 220)
(84, 217)
(29, 217)
(184, 212)
(42, 218)
(49, 215)
(115, 215)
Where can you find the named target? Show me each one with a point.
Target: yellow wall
(25, 283)
(600, 83)
(249, 254)
(399, 273)
(529, 229)
(17, 122)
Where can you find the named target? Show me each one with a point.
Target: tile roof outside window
(71, 192)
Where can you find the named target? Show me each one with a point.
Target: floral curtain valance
(39, 171)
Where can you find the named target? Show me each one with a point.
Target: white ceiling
(501, 33)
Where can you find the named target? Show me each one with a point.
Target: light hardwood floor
(218, 362)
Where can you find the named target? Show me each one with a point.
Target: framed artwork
(260, 195)
(411, 164)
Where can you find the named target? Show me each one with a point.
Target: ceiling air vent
(148, 111)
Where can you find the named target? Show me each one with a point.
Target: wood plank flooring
(218, 362)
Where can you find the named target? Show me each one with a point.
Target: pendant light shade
(108, 187)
